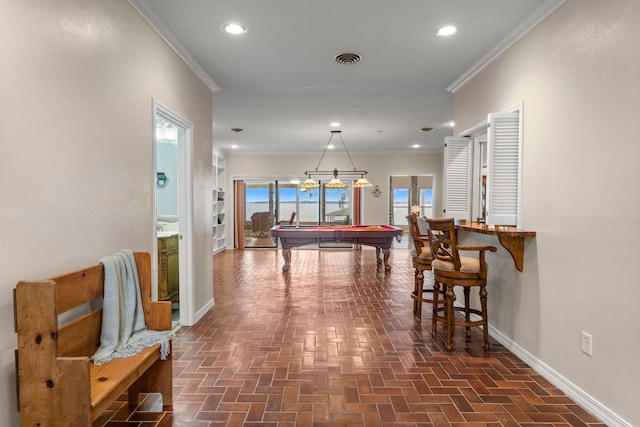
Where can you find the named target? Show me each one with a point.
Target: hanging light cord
(333, 132)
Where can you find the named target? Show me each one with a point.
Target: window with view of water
(260, 213)
(400, 206)
(426, 202)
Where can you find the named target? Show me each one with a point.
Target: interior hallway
(334, 343)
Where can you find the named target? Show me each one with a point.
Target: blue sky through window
(253, 195)
(400, 196)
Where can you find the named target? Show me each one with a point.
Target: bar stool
(451, 270)
(421, 257)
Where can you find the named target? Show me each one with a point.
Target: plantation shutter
(457, 177)
(504, 169)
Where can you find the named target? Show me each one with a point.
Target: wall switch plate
(586, 343)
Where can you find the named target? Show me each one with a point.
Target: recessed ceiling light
(334, 124)
(451, 123)
(234, 28)
(234, 146)
(446, 30)
(416, 146)
(330, 146)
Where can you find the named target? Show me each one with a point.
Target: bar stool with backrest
(421, 257)
(451, 270)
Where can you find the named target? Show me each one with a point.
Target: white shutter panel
(457, 177)
(504, 177)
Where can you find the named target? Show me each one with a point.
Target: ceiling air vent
(348, 58)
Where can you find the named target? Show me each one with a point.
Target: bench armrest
(159, 318)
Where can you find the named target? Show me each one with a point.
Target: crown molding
(145, 11)
(544, 10)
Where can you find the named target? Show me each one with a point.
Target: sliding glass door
(336, 205)
(272, 202)
(336, 210)
(309, 206)
(287, 202)
(260, 213)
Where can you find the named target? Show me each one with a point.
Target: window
(425, 197)
(407, 194)
(400, 206)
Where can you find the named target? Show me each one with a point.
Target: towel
(124, 332)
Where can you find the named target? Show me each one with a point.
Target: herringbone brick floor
(334, 343)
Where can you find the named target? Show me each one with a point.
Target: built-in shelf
(218, 198)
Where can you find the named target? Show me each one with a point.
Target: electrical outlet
(586, 343)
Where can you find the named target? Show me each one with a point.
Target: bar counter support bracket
(515, 246)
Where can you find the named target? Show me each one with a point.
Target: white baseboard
(583, 399)
(578, 395)
(204, 310)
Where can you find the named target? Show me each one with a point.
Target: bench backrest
(79, 337)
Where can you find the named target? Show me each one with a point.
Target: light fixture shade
(309, 183)
(335, 183)
(362, 182)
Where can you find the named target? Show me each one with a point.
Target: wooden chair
(421, 257)
(262, 223)
(451, 270)
(289, 221)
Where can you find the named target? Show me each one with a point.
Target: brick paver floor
(333, 343)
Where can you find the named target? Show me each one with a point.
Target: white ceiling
(280, 83)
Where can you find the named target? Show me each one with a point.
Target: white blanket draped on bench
(124, 332)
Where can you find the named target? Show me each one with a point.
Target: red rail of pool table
(378, 236)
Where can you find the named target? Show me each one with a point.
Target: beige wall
(76, 151)
(578, 74)
(379, 166)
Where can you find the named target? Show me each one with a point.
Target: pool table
(379, 236)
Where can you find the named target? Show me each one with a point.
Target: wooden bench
(57, 383)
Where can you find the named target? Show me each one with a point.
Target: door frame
(185, 213)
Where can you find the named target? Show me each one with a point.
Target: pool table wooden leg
(286, 254)
(386, 252)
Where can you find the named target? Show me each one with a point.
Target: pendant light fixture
(336, 182)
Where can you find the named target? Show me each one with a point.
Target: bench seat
(111, 380)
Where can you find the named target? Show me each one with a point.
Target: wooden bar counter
(510, 237)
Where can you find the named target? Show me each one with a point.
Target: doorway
(172, 245)
(410, 193)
